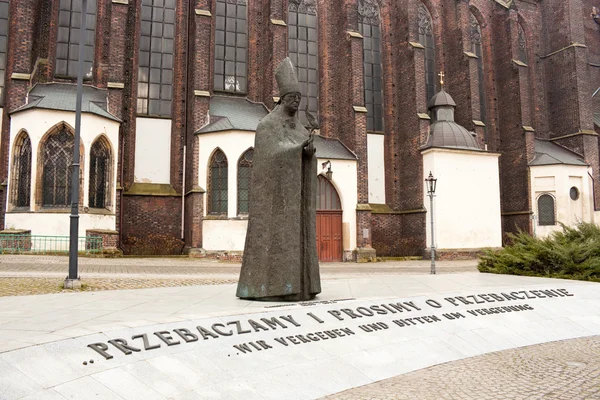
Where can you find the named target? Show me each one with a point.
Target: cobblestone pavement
(25, 275)
(564, 370)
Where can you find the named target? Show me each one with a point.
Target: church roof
(233, 113)
(441, 98)
(333, 149)
(449, 134)
(548, 153)
(63, 96)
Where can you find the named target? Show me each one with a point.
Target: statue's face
(291, 101)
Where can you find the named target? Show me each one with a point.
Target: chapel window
(546, 210)
(231, 45)
(3, 43)
(217, 193)
(369, 26)
(476, 43)
(426, 40)
(57, 158)
(100, 173)
(303, 51)
(244, 173)
(67, 41)
(157, 47)
(21, 172)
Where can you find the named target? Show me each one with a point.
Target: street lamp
(329, 173)
(431, 182)
(72, 281)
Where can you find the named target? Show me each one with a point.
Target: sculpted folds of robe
(280, 256)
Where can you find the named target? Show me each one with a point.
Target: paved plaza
(549, 352)
(25, 275)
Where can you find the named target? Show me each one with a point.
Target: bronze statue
(280, 257)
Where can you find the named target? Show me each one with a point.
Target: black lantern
(431, 182)
(329, 173)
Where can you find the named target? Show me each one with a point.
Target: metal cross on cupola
(441, 74)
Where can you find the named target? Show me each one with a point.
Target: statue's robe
(280, 256)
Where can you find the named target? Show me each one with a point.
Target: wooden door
(329, 235)
(329, 222)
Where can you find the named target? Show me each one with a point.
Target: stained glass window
(546, 210)
(477, 49)
(369, 28)
(57, 158)
(100, 172)
(3, 43)
(244, 174)
(157, 45)
(217, 192)
(427, 41)
(231, 45)
(21, 172)
(67, 46)
(303, 51)
(522, 45)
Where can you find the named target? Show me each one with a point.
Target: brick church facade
(521, 72)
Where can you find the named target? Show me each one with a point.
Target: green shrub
(573, 253)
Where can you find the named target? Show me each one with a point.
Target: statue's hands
(309, 146)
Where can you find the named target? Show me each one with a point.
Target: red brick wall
(552, 94)
(399, 234)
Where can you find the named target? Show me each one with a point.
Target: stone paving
(564, 370)
(27, 275)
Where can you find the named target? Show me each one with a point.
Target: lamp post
(72, 280)
(431, 182)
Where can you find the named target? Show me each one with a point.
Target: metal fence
(40, 244)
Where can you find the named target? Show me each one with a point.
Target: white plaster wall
(57, 224)
(224, 234)
(152, 150)
(345, 179)
(557, 181)
(230, 234)
(38, 122)
(467, 199)
(376, 168)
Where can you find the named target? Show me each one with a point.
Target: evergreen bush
(573, 253)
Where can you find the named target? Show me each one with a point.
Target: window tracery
(217, 194)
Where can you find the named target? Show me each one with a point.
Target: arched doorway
(329, 222)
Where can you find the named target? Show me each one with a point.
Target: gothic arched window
(522, 45)
(327, 196)
(303, 51)
(231, 44)
(426, 40)
(100, 174)
(477, 49)
(244, 173)
(546, 211)
(217, 190)
(370, 28)
(67, 42)
(57, 158)
(157, 46)
(21, 172)
(3, 43)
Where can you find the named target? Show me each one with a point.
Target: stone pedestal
(365, 254)
(72, 283)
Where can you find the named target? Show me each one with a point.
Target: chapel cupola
(444, 132)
